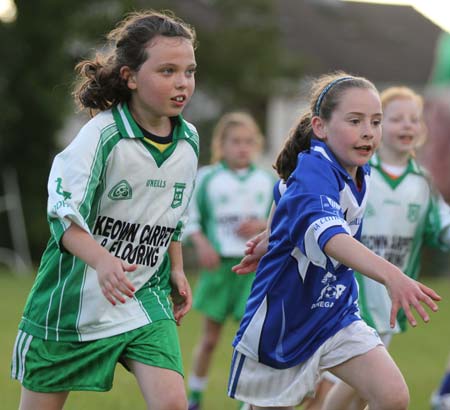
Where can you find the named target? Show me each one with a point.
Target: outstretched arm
(110, 270)
(403, 291)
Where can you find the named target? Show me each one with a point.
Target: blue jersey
(301, 296)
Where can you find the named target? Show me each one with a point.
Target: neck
(154, 124)
(393, 158)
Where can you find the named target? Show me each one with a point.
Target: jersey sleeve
(74, 178)
(437, 226)
(278, 190)
(197, 211)
(313, 209)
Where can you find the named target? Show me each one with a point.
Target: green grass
(421, 354)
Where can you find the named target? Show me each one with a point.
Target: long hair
(99, 85)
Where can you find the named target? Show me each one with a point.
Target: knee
(174, 402)
(209, 343)
(397, 399)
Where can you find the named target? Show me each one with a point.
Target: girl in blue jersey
(117, 200)
(302, 315)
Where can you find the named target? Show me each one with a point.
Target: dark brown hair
(325, 94)
(99, 85)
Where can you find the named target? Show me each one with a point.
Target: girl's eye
(167, 71)
(191, 72)
(377, 123)
(355, 121)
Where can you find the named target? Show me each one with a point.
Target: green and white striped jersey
(132, 199)
(401, 215)
(223, 199)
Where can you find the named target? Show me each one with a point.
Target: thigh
(30, 400)
(155, 345)
(212, 293)
(373, 374)
(47, 366)
(163, 389)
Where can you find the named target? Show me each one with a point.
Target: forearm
(176, 257)
(347, 250)
(199, 239)
(82, 245)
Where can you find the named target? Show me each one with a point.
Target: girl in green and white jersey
(117, 200)
(403, 213)
(230, 204)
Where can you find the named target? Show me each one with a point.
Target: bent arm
(110, 270)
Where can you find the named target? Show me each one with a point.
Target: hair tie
(325, 90)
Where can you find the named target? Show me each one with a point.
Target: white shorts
(261, 385)
(386, 338)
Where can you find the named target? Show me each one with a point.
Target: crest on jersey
(413, 212)
(120, 191)
(178, 191)
(330, 206)
(370, 211)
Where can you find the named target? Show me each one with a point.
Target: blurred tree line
(240, 57)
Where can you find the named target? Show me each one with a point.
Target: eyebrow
(361, 114)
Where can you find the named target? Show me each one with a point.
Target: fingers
(394, 311)
(430, 293)
(181, 296)
(129, 268)
(411, 319)
(248, 264)
(116, 285)
(425, 295)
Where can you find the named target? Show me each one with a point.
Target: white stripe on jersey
(61, 299)
(51, 297)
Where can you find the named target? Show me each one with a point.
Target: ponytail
(99, 87)
(299, 140)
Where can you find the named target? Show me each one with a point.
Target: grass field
(421, 354)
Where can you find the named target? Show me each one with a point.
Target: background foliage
(240, 61)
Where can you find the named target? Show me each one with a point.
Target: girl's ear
(128, 75)
(319, 127)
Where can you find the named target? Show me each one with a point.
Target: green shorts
(48, 366)
(221, 292)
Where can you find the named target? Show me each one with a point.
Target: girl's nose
(180, 81)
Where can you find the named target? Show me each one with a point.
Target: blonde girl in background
(230, 205)
(117, 200)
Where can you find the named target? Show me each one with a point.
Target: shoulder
(190, 134)
(96, 133)
(311, 168)
(278, 190)
(206, 173)
(264, 173)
